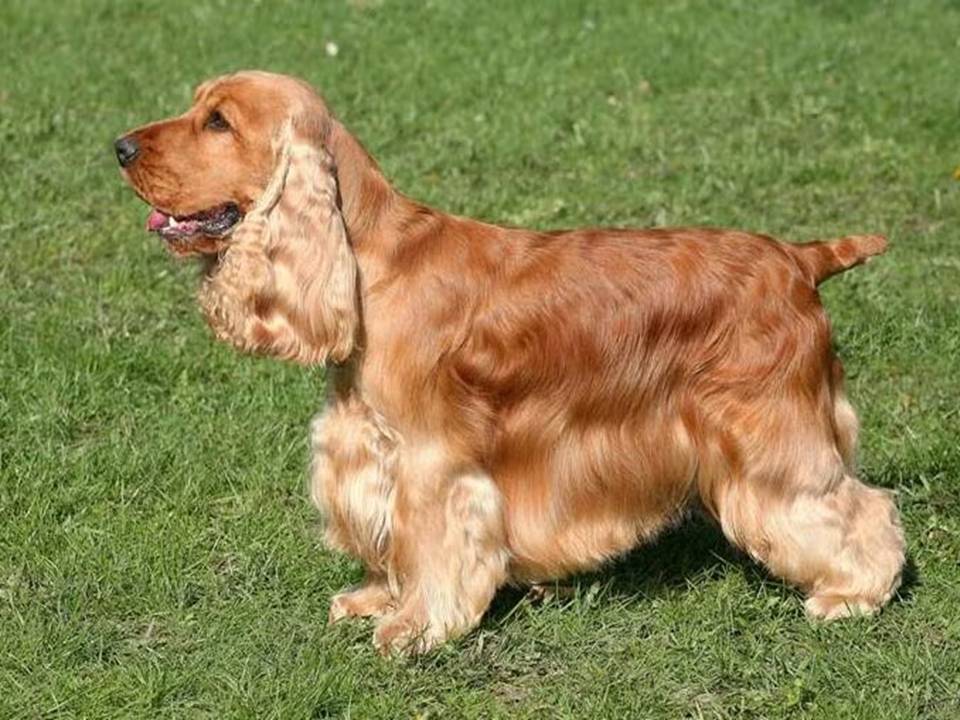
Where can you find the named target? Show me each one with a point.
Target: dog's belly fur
(590, 497)
(593, 494)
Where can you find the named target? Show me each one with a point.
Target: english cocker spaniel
(512, 406)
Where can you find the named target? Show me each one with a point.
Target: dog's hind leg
(845, 422)
(797, 508)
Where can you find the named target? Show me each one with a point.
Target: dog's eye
(216, 121)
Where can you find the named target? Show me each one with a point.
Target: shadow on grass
(695, 551)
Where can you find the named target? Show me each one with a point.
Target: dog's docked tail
(829, 257)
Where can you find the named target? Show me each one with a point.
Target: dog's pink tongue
(156, 220)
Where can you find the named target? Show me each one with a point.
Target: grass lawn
(158, 555)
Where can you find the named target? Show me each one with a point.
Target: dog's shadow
(695, 551)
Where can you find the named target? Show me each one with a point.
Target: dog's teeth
(172, 222)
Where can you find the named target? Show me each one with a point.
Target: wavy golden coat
(509, 405)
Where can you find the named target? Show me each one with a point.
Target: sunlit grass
(158, 557)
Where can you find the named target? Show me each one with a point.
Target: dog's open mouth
(215, 222)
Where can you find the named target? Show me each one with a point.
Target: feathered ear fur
(287, 284)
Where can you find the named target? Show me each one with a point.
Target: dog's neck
(375, 215)
(367, 198)
(374, 212)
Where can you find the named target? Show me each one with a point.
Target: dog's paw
(366, 601)
(834, 607)
(404, 634)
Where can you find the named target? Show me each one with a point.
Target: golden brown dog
(510, 405)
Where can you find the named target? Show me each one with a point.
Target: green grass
(158, 556)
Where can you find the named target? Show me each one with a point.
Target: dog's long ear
(315, 268)
(287, 285)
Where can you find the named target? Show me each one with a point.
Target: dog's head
(245, 178)
(202, 171)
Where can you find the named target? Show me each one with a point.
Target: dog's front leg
(351, 482)
(448, 554)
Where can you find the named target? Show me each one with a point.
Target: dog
(509, 405)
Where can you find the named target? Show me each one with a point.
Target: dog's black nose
(127, 150)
